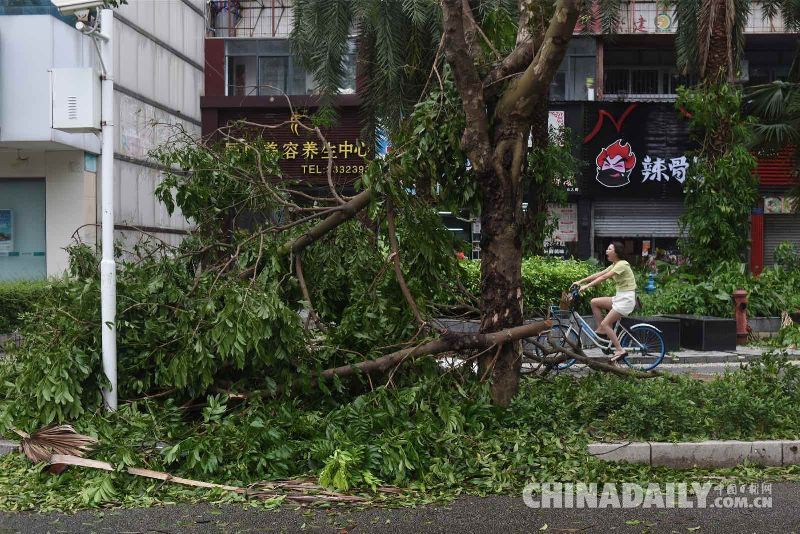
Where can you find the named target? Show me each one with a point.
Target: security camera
(76, 7)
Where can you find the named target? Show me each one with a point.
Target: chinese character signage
(6, 231)
(556, 122)
(302, 154)
(635, 149)
(566, 230)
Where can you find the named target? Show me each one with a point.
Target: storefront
(781, 224)
(22, 229)
(635, 164)
(775, 220)
(643, 226)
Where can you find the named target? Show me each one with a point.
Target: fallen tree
(282, 284)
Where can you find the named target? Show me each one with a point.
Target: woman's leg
(598, 304)
(607, 328)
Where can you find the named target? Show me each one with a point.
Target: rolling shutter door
(779, 228)
(637, 218)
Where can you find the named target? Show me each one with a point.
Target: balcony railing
(250, 18)
(654, 17)
(274, 18)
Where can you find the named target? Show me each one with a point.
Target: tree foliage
(721, 187)
(226, 308)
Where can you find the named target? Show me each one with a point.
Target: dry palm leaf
(56, 439)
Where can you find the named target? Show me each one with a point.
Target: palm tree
(710, 37)
(776, 108)
(776, 105)
(709, 43)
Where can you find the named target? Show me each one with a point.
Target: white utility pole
(102, 38)
(108, 268)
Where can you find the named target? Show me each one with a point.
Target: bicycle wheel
(646, 349)
(557, 336)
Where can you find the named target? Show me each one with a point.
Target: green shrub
(788, 336)
(543, 280)
(17, 298)
(682, 291)
(437, 436)
(787, 256)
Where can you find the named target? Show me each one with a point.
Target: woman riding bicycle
(620, 305)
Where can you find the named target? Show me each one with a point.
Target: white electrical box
(76, 100)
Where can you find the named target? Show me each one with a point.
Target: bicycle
(644, 343)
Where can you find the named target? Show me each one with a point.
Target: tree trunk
(719, 70)
(496, 146)
(501, 265)
(719, 67)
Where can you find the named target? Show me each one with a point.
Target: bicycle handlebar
(574, 291)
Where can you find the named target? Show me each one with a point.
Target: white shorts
(624, 302)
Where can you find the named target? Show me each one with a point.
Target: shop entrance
(22, 229)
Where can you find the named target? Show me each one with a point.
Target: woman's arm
(590, 277)
(597, 279)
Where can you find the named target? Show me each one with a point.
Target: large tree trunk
(496, 146)
(501, 264)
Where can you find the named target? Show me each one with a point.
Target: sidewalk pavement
(742, 354)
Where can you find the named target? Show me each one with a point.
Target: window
(273, 73)
(673, 80)
(266, 75)
(758, 75)
(267, 67)
(349, 86)
(242, 73)
(558, 86)
(617, 81)
(644, 82)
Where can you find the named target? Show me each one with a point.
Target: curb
(7, 447)
(711, 453)
(670, 359)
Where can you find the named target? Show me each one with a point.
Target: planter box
(701, 332)
(670, 328)
(764, 325)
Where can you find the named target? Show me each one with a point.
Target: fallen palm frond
(295, 490)
(57, 439)
(307, 490)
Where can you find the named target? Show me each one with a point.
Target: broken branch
(398, 270)
(447, 343)
(348, 210)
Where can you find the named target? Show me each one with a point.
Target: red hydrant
(740, 312)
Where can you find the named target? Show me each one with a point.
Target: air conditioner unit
(75, 100)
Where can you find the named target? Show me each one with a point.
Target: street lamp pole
(104, 44)
(108, 268)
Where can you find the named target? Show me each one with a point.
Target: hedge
(543, 280)
(775, 291)
(16, 298)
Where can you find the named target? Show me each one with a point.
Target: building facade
(615, 95)
(49, 180)
(251, 74)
